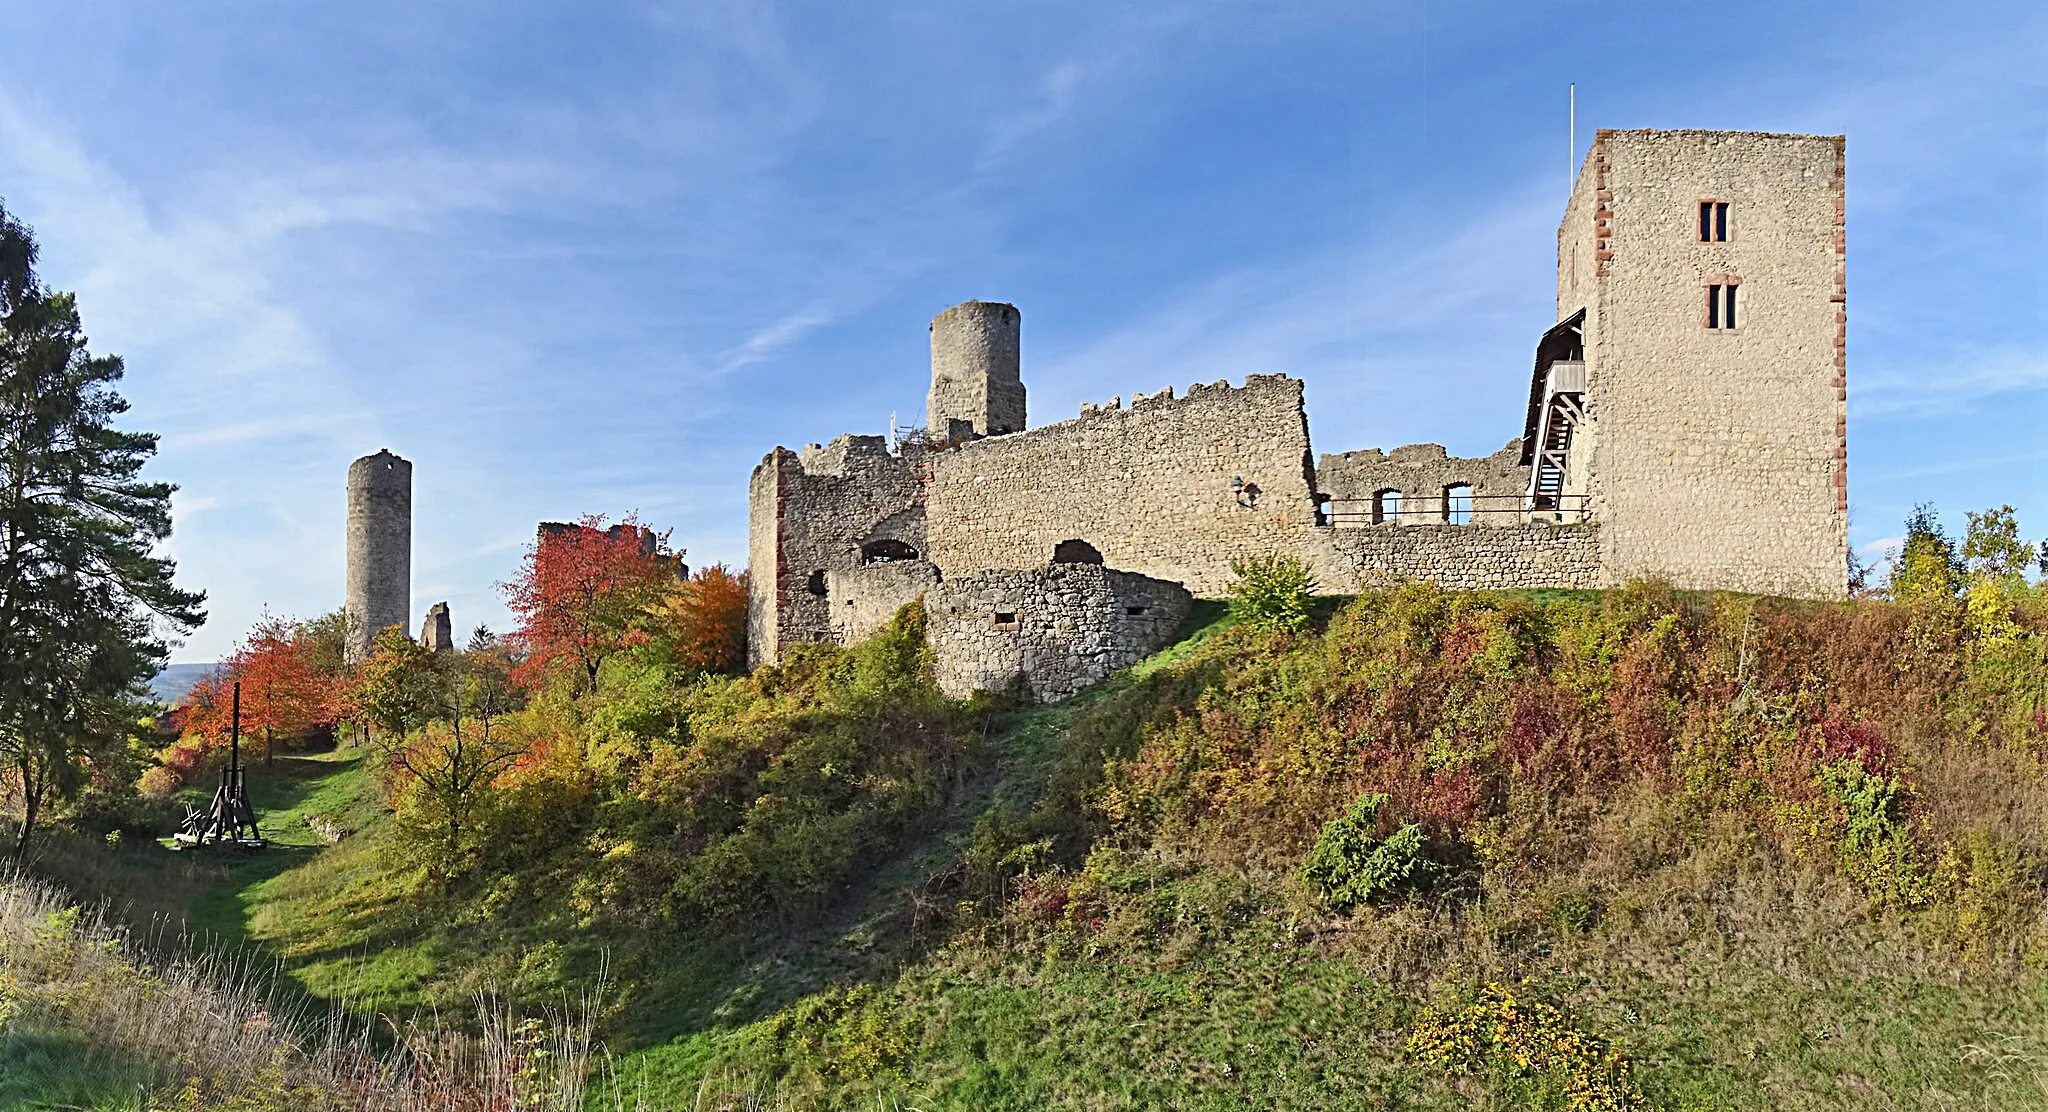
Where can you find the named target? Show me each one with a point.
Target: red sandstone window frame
(1713, 220)
(1720, 313)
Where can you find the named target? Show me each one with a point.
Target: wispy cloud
(1952, 388)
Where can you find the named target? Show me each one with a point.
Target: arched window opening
(1075, 552)
(886, 551)
(1386, 506)
(816, 584)
(1458, 504)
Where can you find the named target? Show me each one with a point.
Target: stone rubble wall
(1149, 486)
(865, 599)
(1422, 472)
(1464, 557)
(808, 515)
(1073, 625)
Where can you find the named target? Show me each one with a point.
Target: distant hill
(171, 684)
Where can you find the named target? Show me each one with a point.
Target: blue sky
(601, 257)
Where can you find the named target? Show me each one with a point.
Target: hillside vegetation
(1415, 849)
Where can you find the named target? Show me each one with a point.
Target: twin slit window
(1713, 221)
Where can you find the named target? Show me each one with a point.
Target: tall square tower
(1703, 273)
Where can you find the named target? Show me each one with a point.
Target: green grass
(44, 1071)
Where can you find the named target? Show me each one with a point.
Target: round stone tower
(379, 549)
(975, 375)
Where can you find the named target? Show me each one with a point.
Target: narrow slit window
(1721, 305)
(1713, 221)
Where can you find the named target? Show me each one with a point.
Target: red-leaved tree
(584, 593)
(283, 695)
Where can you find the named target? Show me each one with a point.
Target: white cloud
(1931, 390)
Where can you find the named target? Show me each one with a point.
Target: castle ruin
(1686, 420)
(379, 576)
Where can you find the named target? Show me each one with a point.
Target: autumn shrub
(1272, 590)
(1534, 1053)
(677, 796)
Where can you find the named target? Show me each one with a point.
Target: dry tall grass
(200, 1029)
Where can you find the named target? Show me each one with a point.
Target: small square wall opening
(1134, 611)
(1006, 619)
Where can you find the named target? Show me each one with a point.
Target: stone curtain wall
(1148, 486)
(378, 592)
(1717, 454)
(807, 516)
(864, 599)
(1467, 558)
(1069, 626)
(1421, 472)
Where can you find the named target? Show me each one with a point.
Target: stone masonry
(1057, 628)
(379, 577)
(437, 630)
(1663, 440)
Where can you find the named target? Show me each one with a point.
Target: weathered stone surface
(864, 599)
(379, 585)
(976, 379)
(1713, 457)
(1424, 474)
(1150, 487)
(1059, 627)
(437, 631)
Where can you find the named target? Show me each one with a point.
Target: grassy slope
(1737, 979)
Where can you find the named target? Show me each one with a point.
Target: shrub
(1533, 1051)
(1272, 591)
(1352, 865)
(1876, 847)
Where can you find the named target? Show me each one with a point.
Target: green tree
(439, 719)
(84, 600)
(1927, 566)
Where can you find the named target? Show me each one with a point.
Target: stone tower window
(1458, 504)
(816, 584)
(1713, 221)
(1386, 506)
(1075, 552)
(1721, 304)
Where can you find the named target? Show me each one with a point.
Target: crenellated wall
(1150, 487)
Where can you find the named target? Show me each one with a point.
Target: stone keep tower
(379, 549)
(976, 386)
(1701, 277)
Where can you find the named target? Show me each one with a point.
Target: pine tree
(84, 600)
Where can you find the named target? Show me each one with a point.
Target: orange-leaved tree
(584, 592)
(702, 624)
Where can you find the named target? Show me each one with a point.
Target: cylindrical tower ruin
(975, 370)
(379, 549)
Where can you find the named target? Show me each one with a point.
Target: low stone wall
(865, 599)
(1464, 557)
(1061, 627)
